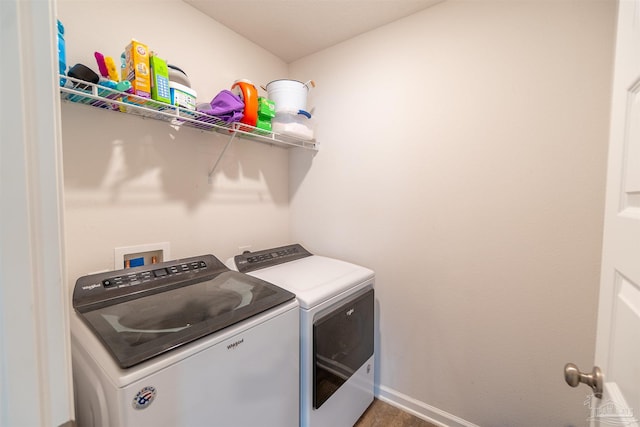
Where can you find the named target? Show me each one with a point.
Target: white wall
(130, 181)
(463, 159)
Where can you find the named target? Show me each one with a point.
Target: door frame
(35, 361)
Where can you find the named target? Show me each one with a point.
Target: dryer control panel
(251, 261)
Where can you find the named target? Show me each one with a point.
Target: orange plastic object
(249, 95)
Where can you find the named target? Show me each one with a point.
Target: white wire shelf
(110, 99)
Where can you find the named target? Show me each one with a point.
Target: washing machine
(336, 329)
(184, 343)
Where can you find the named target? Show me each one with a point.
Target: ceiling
(292, 29)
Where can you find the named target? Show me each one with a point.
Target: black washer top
(141, 312)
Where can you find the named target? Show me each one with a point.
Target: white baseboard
(420, 409)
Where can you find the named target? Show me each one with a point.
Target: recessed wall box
(151, 253)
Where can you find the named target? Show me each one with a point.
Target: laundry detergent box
(160, 90)
(137, 68)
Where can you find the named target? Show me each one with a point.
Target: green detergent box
(159, 79)
(266, 108)
(266, 112)
(263, 125)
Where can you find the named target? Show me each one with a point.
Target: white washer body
(242, 376)
(322, 284)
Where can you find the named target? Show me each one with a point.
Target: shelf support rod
(224, 150)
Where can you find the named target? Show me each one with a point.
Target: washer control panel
(149, 275)
(108, 286)
(251, 261)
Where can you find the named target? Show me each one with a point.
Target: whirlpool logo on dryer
(235, 344)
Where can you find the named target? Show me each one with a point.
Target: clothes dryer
(336, 329)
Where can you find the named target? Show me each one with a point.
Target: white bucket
(289, 95)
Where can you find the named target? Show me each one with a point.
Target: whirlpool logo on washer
(144, 398)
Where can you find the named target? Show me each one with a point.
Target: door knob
(595, 379)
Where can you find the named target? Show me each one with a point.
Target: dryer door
(342, 343)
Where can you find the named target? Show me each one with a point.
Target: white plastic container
(182, 96)
(293, 124)
(178, 76)
(288, 95)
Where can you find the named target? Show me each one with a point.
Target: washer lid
(154, 311)
(315, 279)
